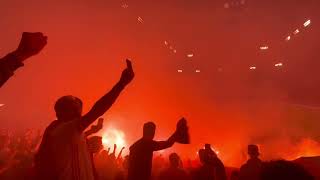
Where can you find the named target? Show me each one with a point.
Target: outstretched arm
(30, 44)
(159, 145)
(103, 104)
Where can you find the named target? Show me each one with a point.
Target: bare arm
(30, 44)
(103, 104)
(159, 145)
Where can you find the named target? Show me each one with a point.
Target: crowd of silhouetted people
(69, 150)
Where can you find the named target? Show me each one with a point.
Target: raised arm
(30, 44)
(103, 104)
(159, 145)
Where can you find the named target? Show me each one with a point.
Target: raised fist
(31, 44)
(127, 74)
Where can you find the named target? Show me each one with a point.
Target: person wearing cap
(252, 168)
(63, 153)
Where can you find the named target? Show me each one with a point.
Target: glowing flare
(307, 23)
(113, 136)
(1, 105)
(190, 55)
(264, 47)
(288, 38)
(198, 70)
(253, 68)
(180, 70)
(296, 31)
(166, 43)
(278, 65)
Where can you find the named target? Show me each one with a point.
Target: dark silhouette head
(174, 160)
(204, 156)
(281, 169)
(149, 130)
(253, 151)
(68, 108)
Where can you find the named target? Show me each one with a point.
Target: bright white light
(307, 23)
(288, 38)
(264, 47)
(190, 55)
(198, 70)
(278, 65)
(296, 31)
(166, 43)
(1, 105)
(113, 136)
(180, 70)
(253, 68)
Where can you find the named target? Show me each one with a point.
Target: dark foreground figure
(141, 152)
(63, 153)
(212, 167)
(252, 168)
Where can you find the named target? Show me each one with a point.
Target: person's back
(67, 152)
(141, 152)
(140, 159)
(252, 168)
(63, 153)
(207, 170)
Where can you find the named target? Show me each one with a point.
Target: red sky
(88, 41)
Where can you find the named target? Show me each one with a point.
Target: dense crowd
(69, 150)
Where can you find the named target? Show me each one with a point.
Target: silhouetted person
(206, 170)
(212, 167)
(141, 152)
(174, 171)
(234, 175)
(251, 169)
(219, 169)
(283, 170)
(63, 153)
(30, 44)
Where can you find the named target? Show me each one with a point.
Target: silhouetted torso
(140, 159)
(251, 170)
